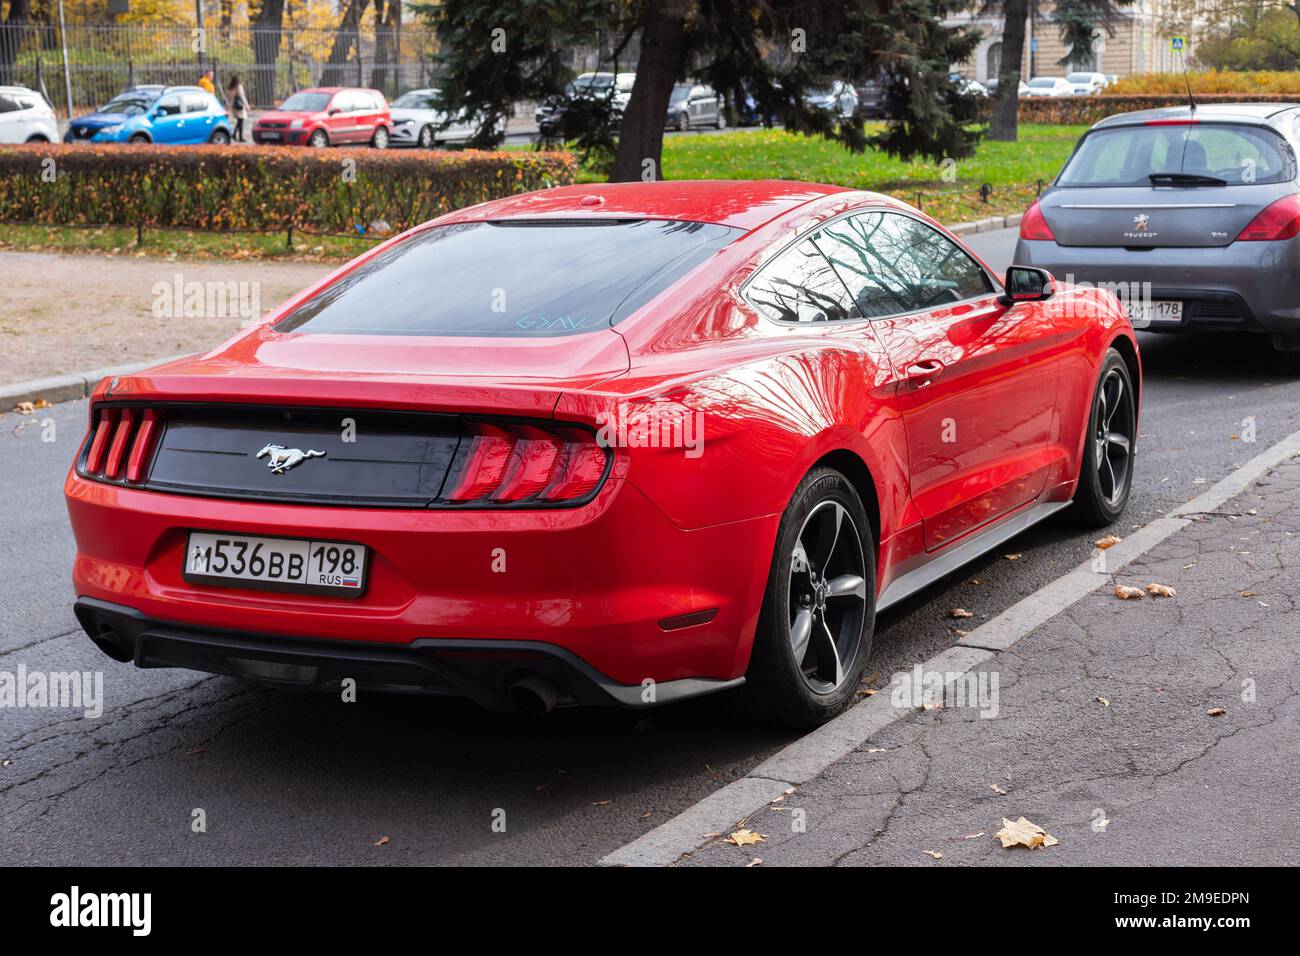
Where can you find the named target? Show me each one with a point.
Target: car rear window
(521, 278)
(1129, 155)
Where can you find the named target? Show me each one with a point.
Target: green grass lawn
(1012, 169)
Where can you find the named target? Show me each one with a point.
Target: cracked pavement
(1146, 778)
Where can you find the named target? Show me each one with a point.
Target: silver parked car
(695, 104)
(418, 118)
(1191, 216)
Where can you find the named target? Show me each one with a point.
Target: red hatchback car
(623, 443)
(328, 116)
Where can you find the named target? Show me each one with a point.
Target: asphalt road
(290, 778)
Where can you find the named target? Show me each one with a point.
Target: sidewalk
(1101, 734)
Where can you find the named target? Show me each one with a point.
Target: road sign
(1176, 44)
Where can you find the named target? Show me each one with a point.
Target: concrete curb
(985, 225)
(67, 388)
(811, 754)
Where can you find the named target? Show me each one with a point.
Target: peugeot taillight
(1277, 220)
(514, 463)
(1034, 226)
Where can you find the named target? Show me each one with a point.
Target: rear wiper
(1185, 179)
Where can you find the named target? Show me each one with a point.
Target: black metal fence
(92, 62)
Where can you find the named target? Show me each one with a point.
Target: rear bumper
(1248, 286)
(597, 581)
(483, 671)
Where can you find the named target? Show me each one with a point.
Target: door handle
(921, 373)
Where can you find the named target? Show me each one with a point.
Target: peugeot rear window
(523, 278)
(1131, 155)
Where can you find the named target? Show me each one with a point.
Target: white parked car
(840, 98)
(1086, 84)
(25, 117)
(417, 118)
(1050, 86)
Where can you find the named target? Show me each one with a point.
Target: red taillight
(142, 445)
(1277, 220)
(121, 443)
(1171, 122)
(99, 445)
(515, 463)
(121, 434)
(1034, 226)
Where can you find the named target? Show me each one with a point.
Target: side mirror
(1027, 284)
(335, 112)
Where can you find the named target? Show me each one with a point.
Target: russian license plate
(1147, 314)
(266, 134)
(276, 564)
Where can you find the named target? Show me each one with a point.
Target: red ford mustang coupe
(600, 444)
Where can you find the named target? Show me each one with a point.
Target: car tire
(797, 604)
(38, 138)
(219, 137)
(380, 138)
(683, 122)
(426, 138)
(139, 139)
(319, 139)
(1104, 486)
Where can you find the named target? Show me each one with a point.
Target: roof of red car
(742, 203)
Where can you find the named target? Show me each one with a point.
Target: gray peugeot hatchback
(1191, 215)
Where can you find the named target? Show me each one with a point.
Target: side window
(893, 264)
(341, 102)
(195, 102)
(800, 286)
(7, 104)
(169, 105)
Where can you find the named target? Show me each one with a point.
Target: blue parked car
(167, 115)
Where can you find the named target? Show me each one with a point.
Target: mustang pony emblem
(282, 459)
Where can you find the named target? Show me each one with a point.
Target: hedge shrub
(260, 189)
(1210, 81)
(1080, 110)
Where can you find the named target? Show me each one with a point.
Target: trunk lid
(428, 373)
(1141, 217)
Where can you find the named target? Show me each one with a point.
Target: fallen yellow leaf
(1103, 701)
(756, 861)
(1013, 557)
(1216, 712)
(1126, 593)
(1160, 590)
(933, 854)
(998, 790)
(380, 842)
(1107, 542)
(1024, 833)
(960, 612)
(745, 838)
